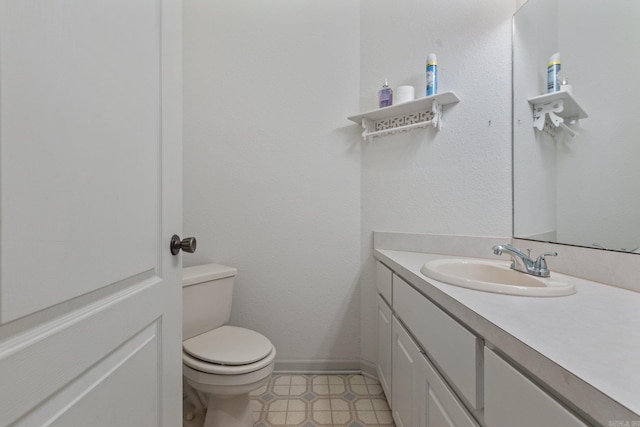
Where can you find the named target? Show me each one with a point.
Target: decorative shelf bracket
(403, 123)
(405, 117)
(551, 110)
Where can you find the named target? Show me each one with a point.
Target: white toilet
(221, 364)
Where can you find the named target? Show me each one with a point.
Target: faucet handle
(540, 266)
(554, 253)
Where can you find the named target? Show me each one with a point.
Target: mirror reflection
(578, 182)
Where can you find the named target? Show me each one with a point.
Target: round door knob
(188, 244)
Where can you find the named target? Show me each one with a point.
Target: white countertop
(594, 334)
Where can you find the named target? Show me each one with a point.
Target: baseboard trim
(368, 369)
(325, 367)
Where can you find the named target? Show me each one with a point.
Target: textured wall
(274, 183)
(272, 166)
(457, 181)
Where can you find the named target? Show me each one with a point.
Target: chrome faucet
(522, 262)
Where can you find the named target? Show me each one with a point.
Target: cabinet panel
(452, 347)
(443, 407)
(383, 281)
(384, 347)
(420, 396)
(512, 400)
(406, 405)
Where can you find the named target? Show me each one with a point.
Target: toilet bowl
(222, 364)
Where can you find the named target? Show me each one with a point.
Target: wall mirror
(581, 185)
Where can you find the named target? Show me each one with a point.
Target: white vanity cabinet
(437, 372)
(511, 399)
(416, 392)
(420, 397)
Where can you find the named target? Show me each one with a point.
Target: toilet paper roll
(404, 94)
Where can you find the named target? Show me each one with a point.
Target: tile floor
(320, 400)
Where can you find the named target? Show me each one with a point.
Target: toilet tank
(207, 291)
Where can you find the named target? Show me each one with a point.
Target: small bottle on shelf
(385, 96)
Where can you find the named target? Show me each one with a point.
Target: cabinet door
(455, 350)
(443, 408)
(406, 406)
(384, 347)
(420, 397)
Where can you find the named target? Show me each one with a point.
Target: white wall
(457, 181)
(272, 166)
(273, 179)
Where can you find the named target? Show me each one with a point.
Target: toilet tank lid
(203, 273)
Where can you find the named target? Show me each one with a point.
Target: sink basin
(496, 277)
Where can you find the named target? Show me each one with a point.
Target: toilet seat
(228, 350)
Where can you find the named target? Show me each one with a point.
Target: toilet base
(229, 412)
(226, 411)
(189, 416)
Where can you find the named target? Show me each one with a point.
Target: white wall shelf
(404, 117)
(551, 110)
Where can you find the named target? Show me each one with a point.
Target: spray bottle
(553, 73)
(432, 75)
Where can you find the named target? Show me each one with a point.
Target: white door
(90, 194)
